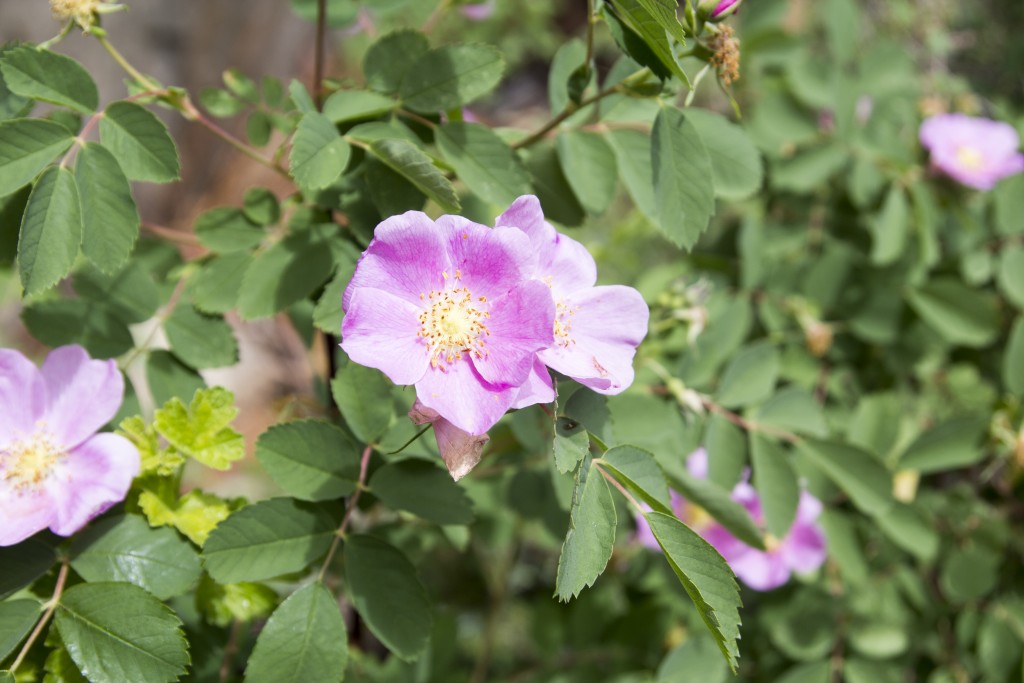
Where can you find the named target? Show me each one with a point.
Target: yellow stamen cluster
(27, 463)
(563, 323)
(771, 543)
(453, 324)
(969, 157)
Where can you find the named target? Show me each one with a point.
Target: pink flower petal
(803, 550)
(94, 476)
(520, 325)
(83, 394)
(24, 514)
(380, 330)
(608, 324)
(463, 398)
(406, 257)
(761, 571)
(487, 261)
(22, 395)
(525, 213)
(537, 388)
(567, 266)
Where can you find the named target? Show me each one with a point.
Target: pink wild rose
(801, 551)
(55, 470)
(478, 11)
(973, 151)
(451, 307)
(716, 10)
(596, 329)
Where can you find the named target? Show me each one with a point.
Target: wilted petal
(460, 450)
(82, 394)
(520, 325)
(381, 331)
(406, 258)
(22, 395)
(93, 476)
(463, 398)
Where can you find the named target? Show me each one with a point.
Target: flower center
(563, 323)
(27, 463)
(771, 543)
(79, 10)
(969, 157)
(697, 517)
(454, 323)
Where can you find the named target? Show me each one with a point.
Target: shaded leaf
(309, 459)
(423, 489)
(591, 536)
(51, 231)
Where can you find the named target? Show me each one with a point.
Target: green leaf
(202, 430)
(750, 377)
(856, 472)
(17, 618)
(77, 321)
(221, 604)
(304, 640)
(890, 228)
(634, 46)
(970, 573)
(363, 396)
(719, 504)
(388, 59)
(1011, 274)
(26, 147)
(300, 97)
(1008, 206)
(639, 470)
(875, 424)
(215, 287)
(549, 184)
(285, 273)
(125, 548)
(910, 529)
(727, 452)
(652, 28)
(319, 154)
(47, 76)
(424, 489)
(451, 76)
(591, 536)
(388, 595)
(327, 315)
(140, 143)
(261, 206)
(706, 578)
(947, 446)
(117, 632)
(806, 171)
(23, 564)
(169, 378)
(412, 164)
(201, 340)
(633, 155)
(225, 229)
(795, 409)
(735, 162)
(571, 444)
(195, 514)
(590, 168)
(683, 187)
(110, 219)
(268, 539)
(309, 459)
(483, 161)
(961, 315)
(776, 484)
(1013, 359)
(569, 57)
(51, 231)
(350, 105)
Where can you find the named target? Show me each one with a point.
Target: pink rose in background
(452, 308)
(801, 551)
(55, 470)
(478, 11)
(973, 151)
(597, 329)
(716, 10)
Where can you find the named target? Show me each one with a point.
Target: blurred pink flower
(801, 551)
(451, 307)
(478, 11)
(716, 10)
(597, 329)
(973, 151)
(55, 470)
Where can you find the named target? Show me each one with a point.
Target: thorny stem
(190, 112)
(51, 606)
(349, 509)
(318, 58)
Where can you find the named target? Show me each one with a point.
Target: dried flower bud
(818, 336)
(725, 48)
